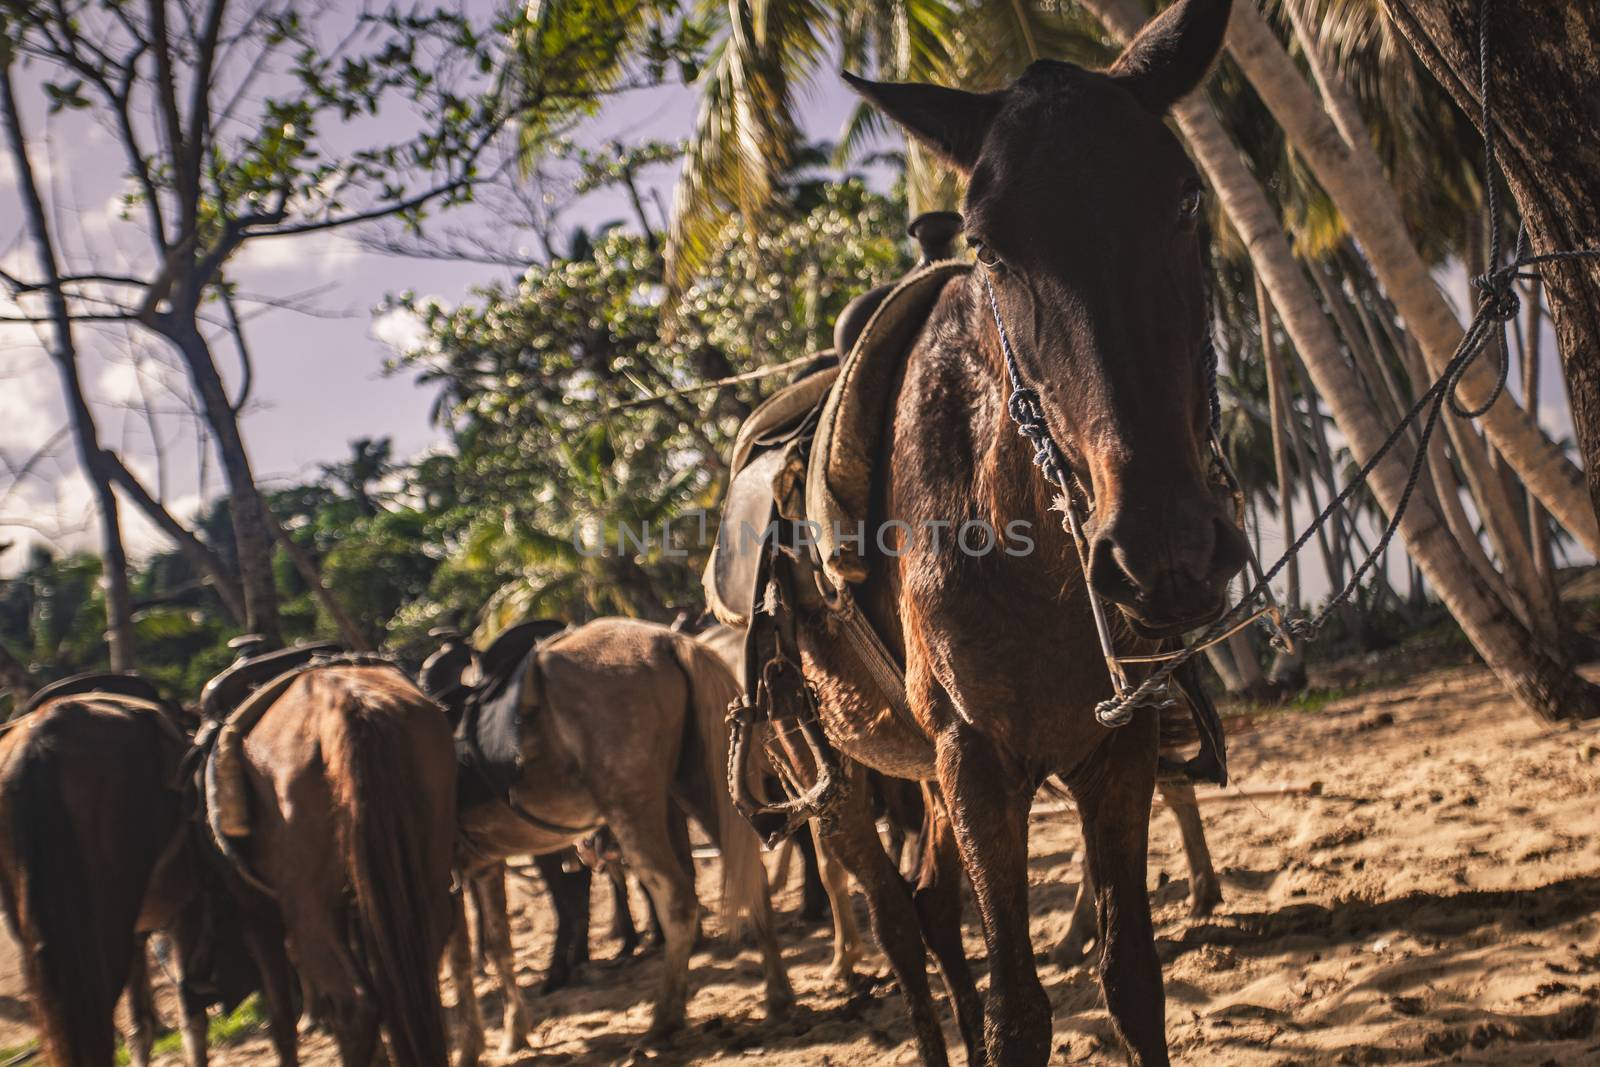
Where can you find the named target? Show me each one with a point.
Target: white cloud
(30, 409)
(400, 329)
(316, 256)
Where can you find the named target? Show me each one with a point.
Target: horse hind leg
(645, 840)
(1205, 890)
(1073, 948)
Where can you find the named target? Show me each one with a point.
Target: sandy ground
(1439, 902)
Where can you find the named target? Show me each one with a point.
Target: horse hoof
(658, 1037)
(1204, 900)
(779, 1001)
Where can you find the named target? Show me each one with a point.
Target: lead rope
(1498, 305)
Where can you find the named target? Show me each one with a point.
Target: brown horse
(97, 850)
(621, 720)
(351, 779)
(1085, 215)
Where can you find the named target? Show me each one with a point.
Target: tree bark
(64, 353)
(1544, 78)
(252, 532)
(1353, 177)
(1539, 682)
(1538, 536)
(204, 558)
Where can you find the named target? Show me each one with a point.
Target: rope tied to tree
(1498, 305)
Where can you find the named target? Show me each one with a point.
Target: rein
(1027, 412)
(1498, 305)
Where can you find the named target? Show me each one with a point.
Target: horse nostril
(1107, 575)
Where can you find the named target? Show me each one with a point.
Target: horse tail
(401, 903)
(744, 880)
(54, 911)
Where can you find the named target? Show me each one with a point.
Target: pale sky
(319, 378)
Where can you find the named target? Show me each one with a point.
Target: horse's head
(1085, 214)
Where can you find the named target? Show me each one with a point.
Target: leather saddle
(825, 425)
(128, 685)
(225, 692)
(486, 710)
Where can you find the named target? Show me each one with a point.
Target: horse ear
(1171, 55)
(949, 121)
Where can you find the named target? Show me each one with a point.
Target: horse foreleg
(489, 889)
(987, 798)
(1205, 891)
(938, 897)
(142, 1007)
(851, 834)
(1113, 792)
(1072, 948)
(468, 1018)
(846, 934)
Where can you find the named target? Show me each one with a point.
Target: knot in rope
(1499, 299)
(1028, 413)
(1114, 712)
(1296, 627)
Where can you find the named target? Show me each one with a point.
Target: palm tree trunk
(1490, 495)
(1538, 536)
(1287, 668)
(1542, 74)
(1353, 177)
(1536, 679)
(1277, 407)
(1221, 662)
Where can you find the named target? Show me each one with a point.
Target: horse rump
(76, 953)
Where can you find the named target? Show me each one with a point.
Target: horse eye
(985, 254)
(1189, 206)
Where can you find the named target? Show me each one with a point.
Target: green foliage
(554, 454)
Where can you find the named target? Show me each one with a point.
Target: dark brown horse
(622, 721)
(1085, 215)
(351, 779)
(97, 850)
